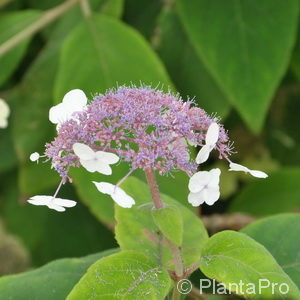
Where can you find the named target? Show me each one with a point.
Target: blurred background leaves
(237, 59)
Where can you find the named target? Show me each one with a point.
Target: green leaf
(169, 221)
(136, 230)
(276, 194)
(113, 8)
(231, 257)
(279, 234)
(238, 41)
(108, 53)
(186, 69)
(125, 275)
(12, 23)
(52, 281)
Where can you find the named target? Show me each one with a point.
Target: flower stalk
(158, 204)
(150, 176)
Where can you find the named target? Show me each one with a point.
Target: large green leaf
(108, 53)
(113, 8)
(245, 45)
(279, 193)
(136, 229)
(280, 235)
(169, 221)
(186, 69)
(125, 275)
(52, 281)
(12, 23)
(231, 257)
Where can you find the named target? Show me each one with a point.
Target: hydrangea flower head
(143, 126)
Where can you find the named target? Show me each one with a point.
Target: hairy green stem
(150, 176)
(158, 204)
(46, 18)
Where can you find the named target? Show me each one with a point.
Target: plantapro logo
(263, 287)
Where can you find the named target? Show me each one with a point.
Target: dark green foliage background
(239, 59)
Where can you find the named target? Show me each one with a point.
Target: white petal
(40, 200)
(56, 207)
(212, 134)
(4, 109)
(105, 187)
(107, 157)
(58, 114)
(237, 167)
(96, 166)
(117, 194)
(3, 123)
(122, 199)
(4, 113)
(103, 168)
(255, 173)
(75, 100)
(211, 195)
(34, 156)
(214, 179)
(195, 199)
(89, 165)
(258, 174)
(64, 202)
(198, 181)
(203, 154)
(83, 151)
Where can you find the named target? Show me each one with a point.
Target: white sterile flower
(211, 140)
(204, 187)
(117, 194)
(255, 173)
(57, 204)
(73, 101)
(99, 161)
(4, 113)
(34, 156)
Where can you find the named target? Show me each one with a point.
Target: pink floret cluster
(145, 127)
